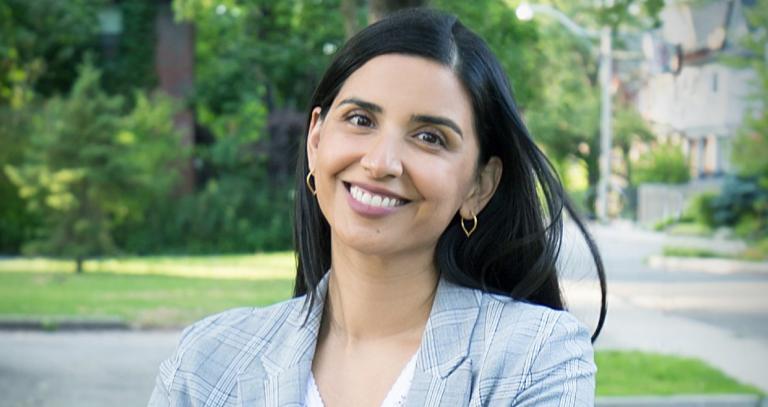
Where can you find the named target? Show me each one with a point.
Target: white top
(395, 397)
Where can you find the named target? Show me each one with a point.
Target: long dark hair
(515, 248)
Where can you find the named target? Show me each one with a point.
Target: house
(692, 97)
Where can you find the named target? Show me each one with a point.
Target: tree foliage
(750, 148)
(744, 200)
(96, 165)
(564, 115)
(91, 164)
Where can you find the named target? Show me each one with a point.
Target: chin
(376, 246)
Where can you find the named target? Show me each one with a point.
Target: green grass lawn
(175, 291)
(144, 292)
(142, 301)
(689, 229)
(621, 373)
(680, 251)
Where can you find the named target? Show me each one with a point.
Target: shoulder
(532, 353)
(235, 328)
(529, 323)
(221, 345)
(244, 321)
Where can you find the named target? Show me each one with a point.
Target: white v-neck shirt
(395, 397)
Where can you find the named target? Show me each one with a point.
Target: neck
(374, 298)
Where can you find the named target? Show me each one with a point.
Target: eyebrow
(441, 121)
(365, 105)
(419, 118)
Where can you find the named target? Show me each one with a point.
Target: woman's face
(395, 156)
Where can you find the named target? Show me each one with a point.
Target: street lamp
(525, 12)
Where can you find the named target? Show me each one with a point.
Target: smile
(371, 204)
(369, 198)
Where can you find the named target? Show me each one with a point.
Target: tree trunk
(175, 68)
(79, 265)
(593, 176)
(378, 9)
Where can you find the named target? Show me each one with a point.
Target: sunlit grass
(143, 291)
(256, 266)
(621, 373)
(140, 300)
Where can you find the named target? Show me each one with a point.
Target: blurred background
(147, 155)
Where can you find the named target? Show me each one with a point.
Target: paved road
(719, 318)
(83, 369)
(722, 319)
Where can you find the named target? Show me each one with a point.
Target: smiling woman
(427, 226)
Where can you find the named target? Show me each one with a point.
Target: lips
(375, 196)
(374, 190)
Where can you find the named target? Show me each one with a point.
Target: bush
(701, 211)
(665, 163)
(235, 209)
(743, 204)
(757, 251)
(230, 214)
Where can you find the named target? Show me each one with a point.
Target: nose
(382, 159)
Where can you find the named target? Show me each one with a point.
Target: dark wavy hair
(515, 248)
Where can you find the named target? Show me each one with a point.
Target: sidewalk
(630, 327)
(653, 310)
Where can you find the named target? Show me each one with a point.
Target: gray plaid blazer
(478, 349)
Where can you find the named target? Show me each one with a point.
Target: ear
(485, 186)
(313, 136)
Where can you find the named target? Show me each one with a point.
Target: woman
(427, 227)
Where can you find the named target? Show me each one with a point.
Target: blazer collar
(287, 361)
(443, 373)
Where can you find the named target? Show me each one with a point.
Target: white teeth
(372, 199)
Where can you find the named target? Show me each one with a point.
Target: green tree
(564, 118)
(515, 43)
(629, 128)
(91, 166)
(750, 148)
(33, 63)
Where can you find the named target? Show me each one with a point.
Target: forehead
(410, 85)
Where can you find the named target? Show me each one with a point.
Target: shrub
(758, 251)
(665, 163)
(743, 204)
(700, 209)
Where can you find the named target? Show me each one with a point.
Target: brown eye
(359, 120)
(431, 138)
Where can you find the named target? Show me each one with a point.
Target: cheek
(443, 184)
(334, 155)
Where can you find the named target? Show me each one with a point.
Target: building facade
(691, 95)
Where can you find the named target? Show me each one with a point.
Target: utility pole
(606, 129)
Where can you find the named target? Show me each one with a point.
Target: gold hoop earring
(474, 225)
(309, 183)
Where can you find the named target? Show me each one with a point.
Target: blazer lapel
(286, 364)
(443, 374)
